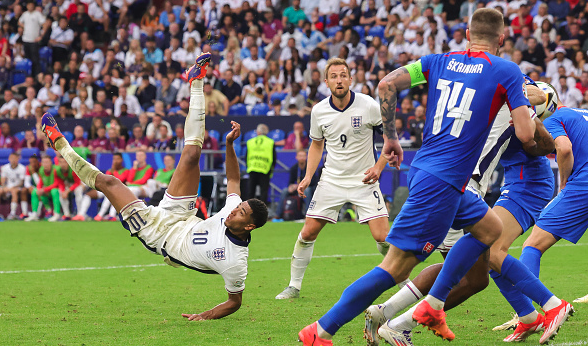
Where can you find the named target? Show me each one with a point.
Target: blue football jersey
(573, 123)
(466, 90)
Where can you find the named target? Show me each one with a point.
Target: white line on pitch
(252, 260)
(577, 343)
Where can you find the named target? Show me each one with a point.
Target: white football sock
(64, 205)
(194, 126)
(300, 259)
(434, 302)
(24, 206)
(104, 207)
(84, 206)
(530, 318)
(112, 211)
(403, 283)
(13, 207)
(323, 334)
(404, 298)
(383, 247)
(552, 303)
(404, 321)
(85, 170)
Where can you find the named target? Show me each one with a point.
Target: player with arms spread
(217, 245)
(466, 90)
(347, 121)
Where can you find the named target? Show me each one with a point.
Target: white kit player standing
(12, 176)
(346, 121)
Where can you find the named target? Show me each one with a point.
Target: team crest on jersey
(356, 122)
(525, 89)
(218, 254)
(428, 248)
(311, 205)
(239, 283)
(192, 206)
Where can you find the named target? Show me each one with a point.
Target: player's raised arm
(231, 163)
(224, 309)
(524, 126)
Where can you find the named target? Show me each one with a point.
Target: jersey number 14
(448, 101)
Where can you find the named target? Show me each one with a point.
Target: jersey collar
(351, 99)
(236, 240)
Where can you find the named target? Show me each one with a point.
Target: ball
(546, 109)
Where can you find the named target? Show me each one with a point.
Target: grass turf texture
(143, 305)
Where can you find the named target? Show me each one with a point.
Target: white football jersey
(208, 246)
(349, 135)
(14, 176)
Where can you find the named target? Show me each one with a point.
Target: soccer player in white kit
(217, 245)
(12, 176)
(347, 122)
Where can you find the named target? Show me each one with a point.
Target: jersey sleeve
(316, 133)
(232, 202)
(555, 125)
(515, 87)
(235, 277)
(375, 116)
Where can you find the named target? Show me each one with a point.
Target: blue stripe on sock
(531, 257)
(519, 302)
(356, 298)
(459, 260)
(519, 275)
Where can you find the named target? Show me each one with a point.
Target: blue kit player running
(466, 91)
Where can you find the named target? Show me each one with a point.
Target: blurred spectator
(130, 102)
(293, 14)
(166, 93)
(294, 97)
(534, 53)
(138, 141)
(218, 98)
(458, 43)
(153, 131)
(27, 107)
(169, 64)
(157, 109)
(111, 63)
(32, 22)
(290, 74)
(568, 94)
(192, 51)
(416, 126)
(177, 141)
(357, 50)
(61, 39)
(541, 15)
(270, 27)
(117, 143)
(153, 54)
(150, 19)
(30, 141)
(231, 89)
(163, 141)
(558, 9)
(403, 134)
(276, 109)
(522, 19)
(81, 102)
(298, 139)
(559, 61)
(9, 104)
(96, 124)
(81, 24)
(7, 140)
(253, 92)
(50, 93)
(581, 85)
(79, 140)
(101, 142)
(210, 143)
(254, 62)
(98, 11)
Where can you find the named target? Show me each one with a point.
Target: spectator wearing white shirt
(177, 52)
(130, 101)
(568, 94)
(419, 47)
(94, 53)
(191, 32)
(130, 56)
(287, 51)
(404, 9)
(437, 31)
(91, 66)
(399, 45)
(29, 105)
(32, 21)
(560, 60)
(357, 50)
(192, 51)
(254, 63)
(98, 10)
(458, 43)
(9, 104)
(82, 103)
(49, 94)
(60, 40)
(542, 14)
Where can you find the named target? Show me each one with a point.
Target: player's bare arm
(524, 126)
(231, 163)
(565, 159)
(315, 152)
(544, 143)
(224, 309)
(372, 175)
(535, 95)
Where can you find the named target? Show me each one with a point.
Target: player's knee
(309, 233)
(105, 182)
(191, 154)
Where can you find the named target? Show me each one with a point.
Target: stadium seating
(260, 109)
(20, 135)
(4, 153)
(360, 30)
(218, 46)
(238, 109)
(46, 58)
(25, 153)
(68, 136)
(278, 96)
(22, 69)
(214, 134)
(50, 152)
(277, 135)
(332, 31)
(376, 31)
(250, 134)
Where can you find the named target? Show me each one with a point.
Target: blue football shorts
(566, 217)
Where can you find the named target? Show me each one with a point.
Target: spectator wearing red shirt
(73, 8)
(30, 141)
(271, 27)
(138, 141)
(117, 143)
(210, 143)
(582, 85)
(101, 143)
(7, 140)
(523, 18)
(297, 139)
(79, 140)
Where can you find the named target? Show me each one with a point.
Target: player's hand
(193, 317)
(302, 186)
(372, 175)
(393, 152)
(235, 132)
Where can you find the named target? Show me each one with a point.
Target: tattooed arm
(543, 143)
(389, 87)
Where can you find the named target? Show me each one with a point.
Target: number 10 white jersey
(349, 137)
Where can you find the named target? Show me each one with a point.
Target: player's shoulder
(363, 99)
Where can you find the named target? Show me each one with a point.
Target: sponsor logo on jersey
(311, 205)
(464, 68)
(356, 122)
(428, 248)
(218, 254)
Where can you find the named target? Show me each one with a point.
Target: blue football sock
(531, 257)
(519, 302)
(519, 275)
(356, 298)
(459, 260)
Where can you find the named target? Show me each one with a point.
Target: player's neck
(483, 47)
(343, 102)
(243, 235)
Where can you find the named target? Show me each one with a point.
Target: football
(546, 109)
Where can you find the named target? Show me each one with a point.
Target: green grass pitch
(91, 284)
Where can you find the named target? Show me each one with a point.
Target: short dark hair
(487, 24)
(117, 154)
(258, 212)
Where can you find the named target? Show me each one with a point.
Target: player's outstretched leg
(186, 178)
(113, 189)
